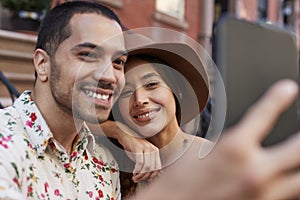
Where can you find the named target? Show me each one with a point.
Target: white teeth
(97, 96)
(90, 93)
(145, 115)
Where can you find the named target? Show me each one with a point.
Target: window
(114, 3)
(171, 12)
(288, 14)
(221, 8)
(263, 10)
(174, 8)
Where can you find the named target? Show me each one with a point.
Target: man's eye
(119, 62)
(88, 55)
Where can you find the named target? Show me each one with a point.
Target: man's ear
(41, 62)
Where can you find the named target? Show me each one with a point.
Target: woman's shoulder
(196, 139)
(199, 144)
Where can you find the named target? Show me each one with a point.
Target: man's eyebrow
(121, 53)
(88, 45)
(98, 48)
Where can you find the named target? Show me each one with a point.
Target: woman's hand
(143, 153)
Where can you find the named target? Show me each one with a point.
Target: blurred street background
(19, 20)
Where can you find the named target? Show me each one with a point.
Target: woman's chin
(147, 132)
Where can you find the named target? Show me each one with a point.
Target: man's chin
(99, 118)
(91, 113)
(93, 119)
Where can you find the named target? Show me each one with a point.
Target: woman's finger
(283, 187)
(283, 155)
(139, 163)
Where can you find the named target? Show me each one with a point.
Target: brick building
(192, 17)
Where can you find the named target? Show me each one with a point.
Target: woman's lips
(145, 115)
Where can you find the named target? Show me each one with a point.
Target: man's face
(87, 67)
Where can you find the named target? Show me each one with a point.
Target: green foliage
(29, 5)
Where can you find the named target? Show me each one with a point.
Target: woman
(163, 91)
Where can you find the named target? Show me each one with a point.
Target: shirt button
(70, 177)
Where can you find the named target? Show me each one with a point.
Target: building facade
(196, 18)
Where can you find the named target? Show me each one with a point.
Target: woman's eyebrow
(149, 75)
(144, 77)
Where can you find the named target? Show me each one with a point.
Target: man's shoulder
(12, 137)
(21, 104)
(9, 116)
(11, 126)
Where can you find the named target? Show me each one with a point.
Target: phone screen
(251, 57)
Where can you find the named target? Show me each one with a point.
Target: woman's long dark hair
(128, 187)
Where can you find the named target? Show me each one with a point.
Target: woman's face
(147, 103)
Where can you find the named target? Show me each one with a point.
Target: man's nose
(105, 73)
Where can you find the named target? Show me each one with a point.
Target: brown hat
(185, 60)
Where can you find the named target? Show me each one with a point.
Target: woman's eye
(151, 84)
(126, 93)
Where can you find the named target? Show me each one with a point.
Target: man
(47, 152)
(46, 149)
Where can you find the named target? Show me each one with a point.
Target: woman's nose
(140, 97)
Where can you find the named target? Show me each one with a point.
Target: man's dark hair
(54, 28)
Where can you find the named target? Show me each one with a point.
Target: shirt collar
(34, 123)
(86, 133)
(36, 127)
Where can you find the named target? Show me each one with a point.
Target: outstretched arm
(239, 167)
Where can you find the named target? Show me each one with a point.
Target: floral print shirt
(33, 165)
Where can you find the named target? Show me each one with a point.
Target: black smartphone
(250, 57)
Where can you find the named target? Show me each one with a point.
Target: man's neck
(65, 135)
(64, 127)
